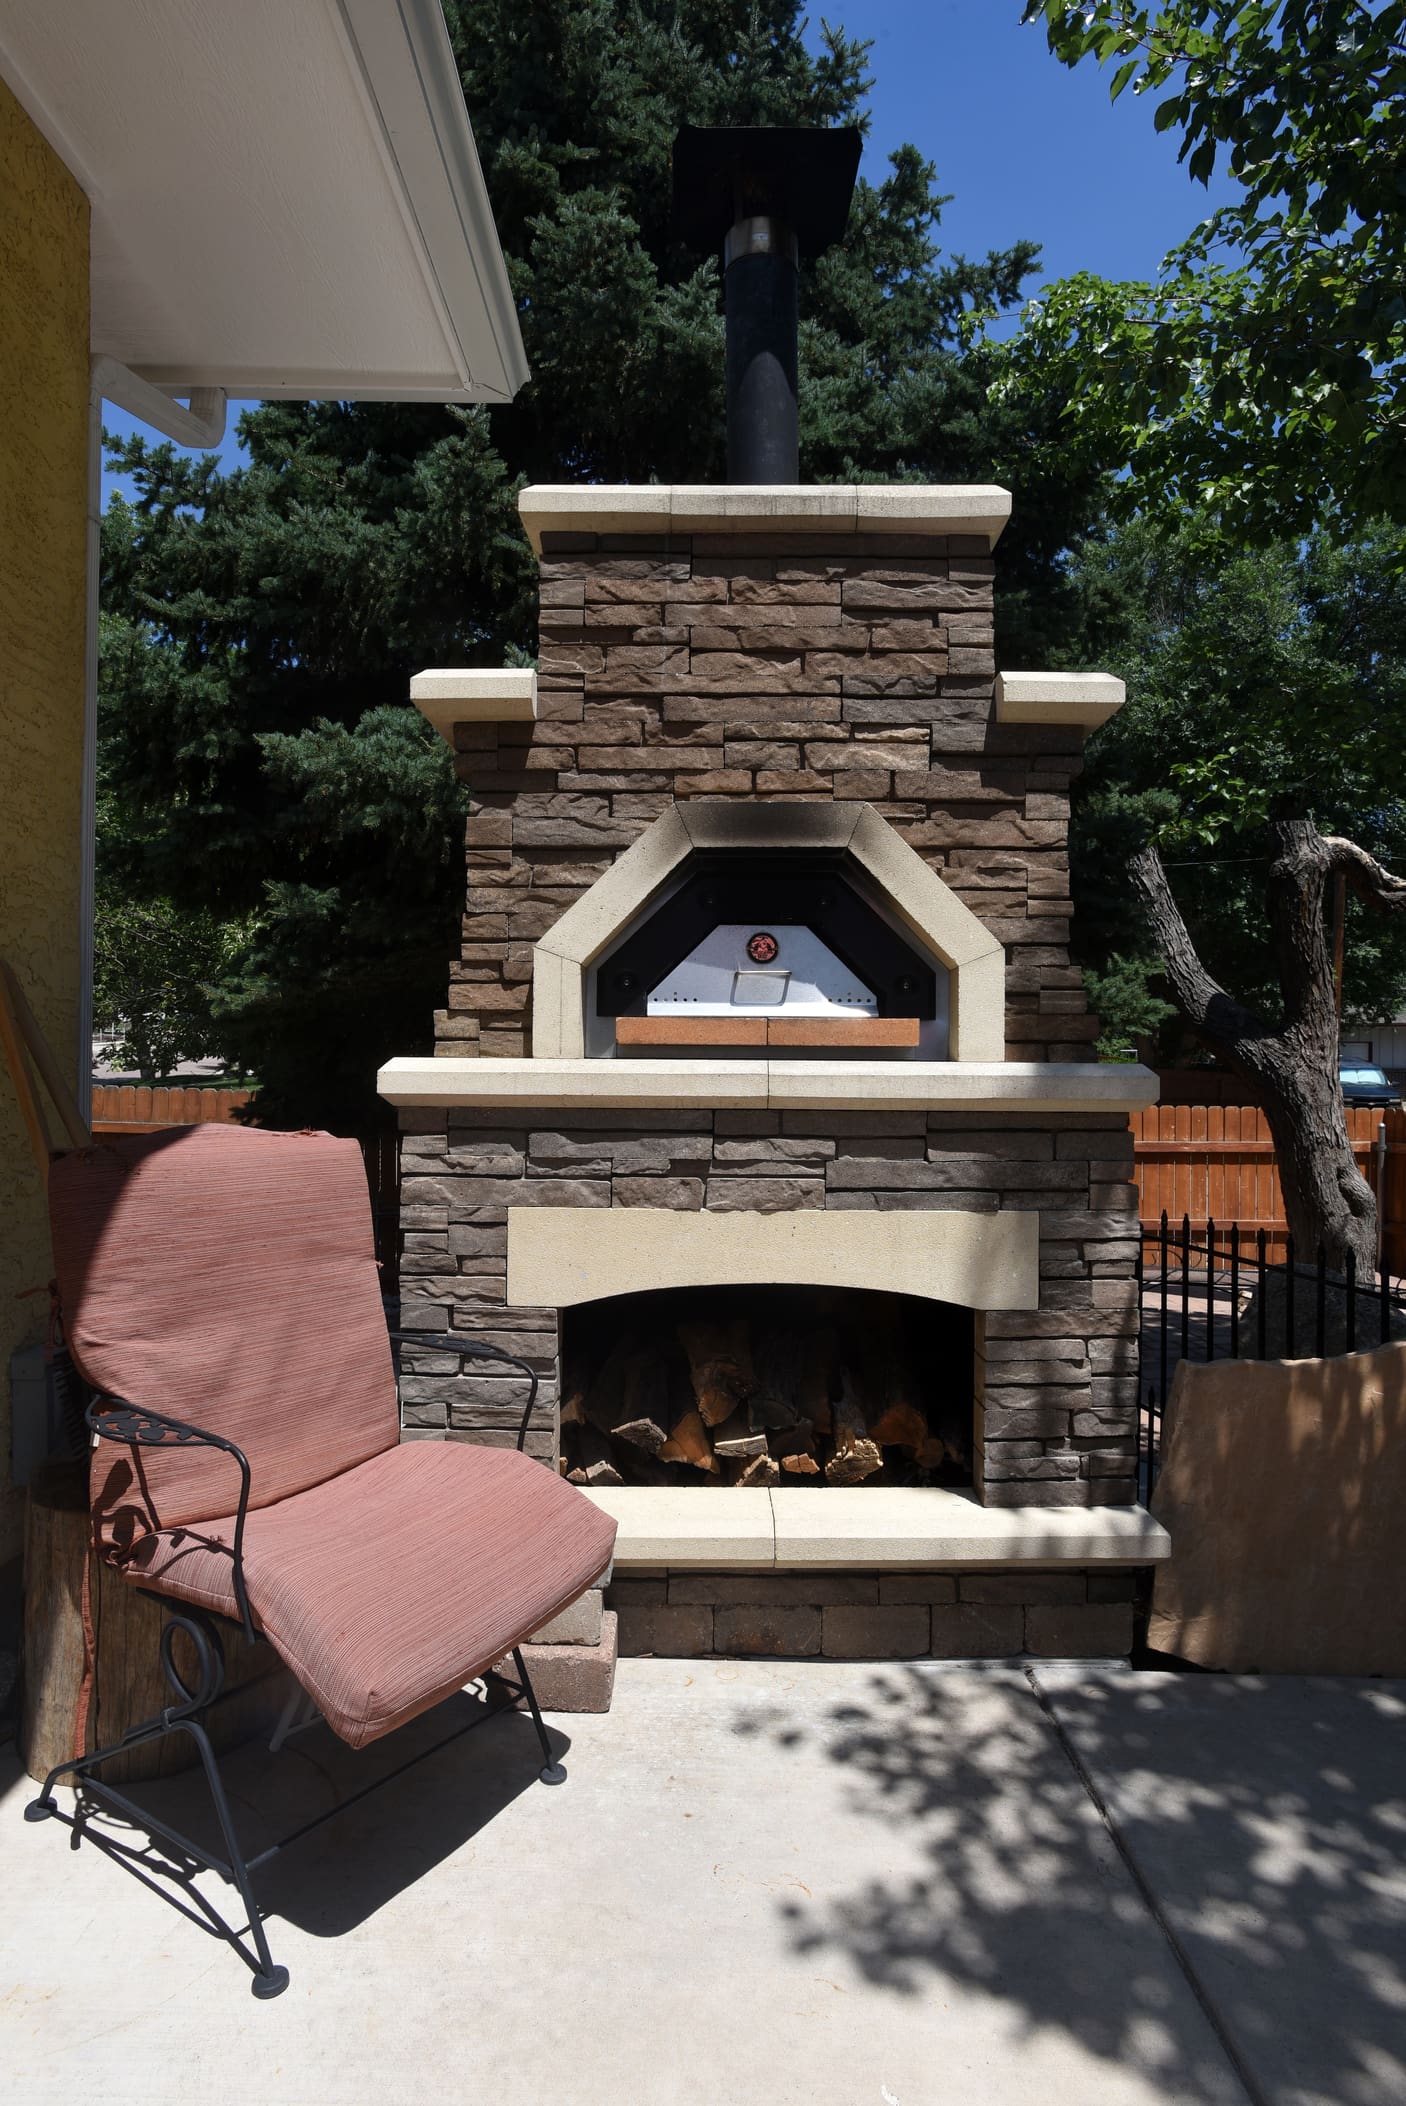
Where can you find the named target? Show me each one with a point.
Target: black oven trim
(808, 888)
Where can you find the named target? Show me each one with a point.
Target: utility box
(46, 1420)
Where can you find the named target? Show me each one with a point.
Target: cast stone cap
(450, 695)
(1084, 700)
(974, 510)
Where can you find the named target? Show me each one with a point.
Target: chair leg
(269, 1980)
(554, 1772)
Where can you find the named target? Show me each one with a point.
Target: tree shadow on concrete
(1281, 1908)
(1267, 1816)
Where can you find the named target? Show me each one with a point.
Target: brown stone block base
(957, 1615)
(573, 1677)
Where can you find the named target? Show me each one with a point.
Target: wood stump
(129, 1684)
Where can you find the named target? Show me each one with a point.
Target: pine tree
(262, 625)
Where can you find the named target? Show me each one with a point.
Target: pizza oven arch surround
(912, 893)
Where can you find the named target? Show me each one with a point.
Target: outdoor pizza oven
(763, 1116)
(764, 1028)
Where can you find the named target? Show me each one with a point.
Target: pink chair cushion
(392, 1586)
(228, 1277)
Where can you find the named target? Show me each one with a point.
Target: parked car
(1364, 1083)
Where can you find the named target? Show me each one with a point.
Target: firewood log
(899, 1425)
(628, 1396)
(720, 1362)
(689, 1443)
(881, 1369)
(800, 1466)
(647, 1469)
(573, 1405)
(604, 1404)
(734, 1438)
(793, 1440)
(816, 1375)
(689, 1440)
(644, 1409)
(777, 1356)
(758, 1469)
(594, 1463)
(932, 1455)
(855, 1456)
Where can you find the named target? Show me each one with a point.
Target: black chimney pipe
(768, 193)
(760, 278)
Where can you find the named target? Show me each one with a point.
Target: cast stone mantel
(768, 1085)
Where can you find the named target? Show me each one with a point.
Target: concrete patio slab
(804, 1884)
(1267, 1817)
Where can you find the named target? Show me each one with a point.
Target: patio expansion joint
(1214, 2016)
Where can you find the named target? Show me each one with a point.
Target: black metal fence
(1211, 1293)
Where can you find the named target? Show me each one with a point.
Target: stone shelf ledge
(974, 511)
(761, 1085)
(907, 1528)
(450, 695)
(1084, 700)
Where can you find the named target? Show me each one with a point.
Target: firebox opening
(791, 951)
(764, 1385)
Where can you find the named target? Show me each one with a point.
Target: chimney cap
(801, 173)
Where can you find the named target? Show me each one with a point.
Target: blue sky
(1027, 148)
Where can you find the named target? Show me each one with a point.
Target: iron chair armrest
(471, 1348)
(132, 1425)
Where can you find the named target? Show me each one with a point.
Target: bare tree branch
(1326, 1198)
(1294, 890)
(1207, 1007)
(1367, 877)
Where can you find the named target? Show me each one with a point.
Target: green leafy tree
(1257, 762)
(154, 971)
(1263, 374)
(1125, 997)
(263, 625)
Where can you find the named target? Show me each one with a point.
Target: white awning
(286, 196)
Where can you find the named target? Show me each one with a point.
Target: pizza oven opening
(789, 954)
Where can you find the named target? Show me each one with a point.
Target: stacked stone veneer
(1054, 1387)
(806, 666)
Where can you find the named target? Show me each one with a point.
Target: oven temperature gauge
(763, 948)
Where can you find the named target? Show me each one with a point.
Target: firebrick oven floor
(799, 1884)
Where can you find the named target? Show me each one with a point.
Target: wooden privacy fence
(1216, 1162)
(124, 1107)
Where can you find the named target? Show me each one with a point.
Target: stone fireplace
(765, 1024)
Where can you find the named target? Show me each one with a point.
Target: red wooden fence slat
(1218, 1161)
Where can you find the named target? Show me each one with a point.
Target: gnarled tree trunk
(1326, 1198)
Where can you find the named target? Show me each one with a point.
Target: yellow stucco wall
(43, 530)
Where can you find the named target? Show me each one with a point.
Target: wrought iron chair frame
(113, 1418)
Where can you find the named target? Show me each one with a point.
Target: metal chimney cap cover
(799, 173)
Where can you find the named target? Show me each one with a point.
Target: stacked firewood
(737, 1400)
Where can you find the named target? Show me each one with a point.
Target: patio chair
(219, 1293)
